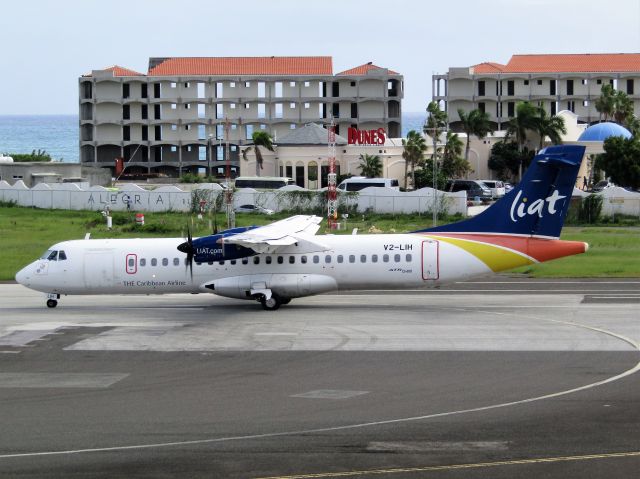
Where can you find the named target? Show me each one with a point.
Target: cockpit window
(50, 254)
(61, 255)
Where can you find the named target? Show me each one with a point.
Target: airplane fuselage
(352, 262)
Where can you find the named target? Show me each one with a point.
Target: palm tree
(413, 154)
(605, 104)
(633, 125)
(370, 165)
(453, 164)
(526, 119)
(434, 126)
(260, 138)
(622, 107)
(476, 123)
(551, 126)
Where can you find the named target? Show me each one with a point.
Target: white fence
(617, 201)
(70, 196)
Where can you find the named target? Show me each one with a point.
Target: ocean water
(413, 121)
(58, 134)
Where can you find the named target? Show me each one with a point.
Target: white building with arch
(303, 155)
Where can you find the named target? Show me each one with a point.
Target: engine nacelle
(210, 248)
(285, 285)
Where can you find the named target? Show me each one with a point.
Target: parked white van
(357, 183)
(497, 188)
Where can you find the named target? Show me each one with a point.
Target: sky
(46, 45)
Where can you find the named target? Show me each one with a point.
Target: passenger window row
(328, 259)
(164, 261)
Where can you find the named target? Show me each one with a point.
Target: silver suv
(497, 188)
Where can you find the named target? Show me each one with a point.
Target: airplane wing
(296, 231)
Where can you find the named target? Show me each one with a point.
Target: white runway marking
(547, 282)
(330, 394)
(465, 291)
(428, 446)
(275, 334)
(611, 379)
(21, 338)
(611, 296)
(59, 380)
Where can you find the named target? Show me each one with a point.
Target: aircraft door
(430, 260)
(131, 263)
(98, 269)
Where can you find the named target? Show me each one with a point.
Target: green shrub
(590, 209)
(148, 228)
(119, 219)
(39, 155)
(191, 178)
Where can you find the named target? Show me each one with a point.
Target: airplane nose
(22, 276)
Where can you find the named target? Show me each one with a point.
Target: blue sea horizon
(58, 134)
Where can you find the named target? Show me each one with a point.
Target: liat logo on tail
(538, 205)
(519, 208)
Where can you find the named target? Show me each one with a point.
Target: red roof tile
(565, 63)
(488, 67)
(586, 62)
(242, 66)
(363, 69)
(119, 71)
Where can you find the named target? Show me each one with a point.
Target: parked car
(253, 209)
(507, 187)
(474, 189)
(497, 188)
(602, 185)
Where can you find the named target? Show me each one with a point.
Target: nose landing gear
(52, 300)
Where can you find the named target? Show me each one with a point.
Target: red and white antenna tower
(332, 193)
(228, 193)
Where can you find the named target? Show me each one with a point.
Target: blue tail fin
(538, 205)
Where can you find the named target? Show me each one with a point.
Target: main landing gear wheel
(271, 304)
(51, 303)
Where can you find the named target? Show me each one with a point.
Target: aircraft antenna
(228, 193)
(332, 193)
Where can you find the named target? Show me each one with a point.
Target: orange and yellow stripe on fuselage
(503, 252)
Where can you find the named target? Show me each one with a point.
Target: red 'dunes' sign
(366, 137)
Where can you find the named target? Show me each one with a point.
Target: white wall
(71, 197)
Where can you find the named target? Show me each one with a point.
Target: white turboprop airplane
(285, 260)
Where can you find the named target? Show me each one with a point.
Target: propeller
(189, 250)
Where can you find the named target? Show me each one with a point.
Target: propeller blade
(188, 249)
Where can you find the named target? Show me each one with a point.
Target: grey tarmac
(503, 377)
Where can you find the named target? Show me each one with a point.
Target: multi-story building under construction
(172, 119)
(556, 82)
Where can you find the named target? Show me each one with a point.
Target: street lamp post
(435, 177)
(433, 132)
